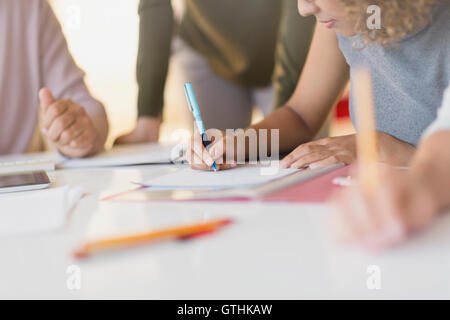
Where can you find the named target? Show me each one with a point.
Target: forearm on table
(393, 151)
(293, 130)
(431, 168)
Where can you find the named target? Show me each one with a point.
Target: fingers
(298, 153)
(373, 221)
(55, 110)
(202, 159)
(320, 159)
(311, 158)
(335, 159)
(69, 114)
(59, 125)
(352, 216)
(339, 224)
(46, 98)
(68, 126)
(391, 209)
(322, 152)
(217, 151)
(84, 141)
(197, 163)
(71, 133)
(197, 156)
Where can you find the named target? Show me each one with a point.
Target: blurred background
(103, 38)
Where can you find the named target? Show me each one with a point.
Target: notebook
(241, 177)
(127, 155)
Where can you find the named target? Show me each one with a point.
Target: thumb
(46, 98)
(217, 150)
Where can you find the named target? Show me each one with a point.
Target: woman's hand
(201, 159)
(334, 150)
(321, 153)
(68, 126)
(146, 131)
(400, 207)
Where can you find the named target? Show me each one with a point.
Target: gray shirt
(409, 78)
(443, 120)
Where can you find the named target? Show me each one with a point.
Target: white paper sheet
(127, 155)
(242, 177)
(36, 211)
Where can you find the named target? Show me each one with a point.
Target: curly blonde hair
(399, 18)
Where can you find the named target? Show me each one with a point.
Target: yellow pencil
(366, 137)
(129, 241)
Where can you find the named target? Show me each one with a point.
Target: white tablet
(16, 182)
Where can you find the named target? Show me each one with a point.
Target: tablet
(16, 182)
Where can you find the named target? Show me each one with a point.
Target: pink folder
(317, 190)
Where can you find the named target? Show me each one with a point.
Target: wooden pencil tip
(81, 253)
(225, 222)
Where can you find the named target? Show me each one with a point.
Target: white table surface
(272, 251)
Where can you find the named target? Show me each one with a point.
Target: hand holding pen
(201, 154)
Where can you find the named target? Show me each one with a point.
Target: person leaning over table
(39, 78)
(406, 202)
(409, 58)
(229, 49)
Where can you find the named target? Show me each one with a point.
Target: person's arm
(432, 162)
(323, 79)
(293, 45)
(431, 167)
(73, 120)
(405, 203)
(155, 37)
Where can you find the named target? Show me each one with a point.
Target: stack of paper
(242, 177)
(36, 211)
(139, 154)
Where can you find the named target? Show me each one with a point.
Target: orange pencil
(366, 137)
(183, 232)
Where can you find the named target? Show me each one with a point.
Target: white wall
(103, 38)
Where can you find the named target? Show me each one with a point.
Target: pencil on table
(366, 136)
(139, 239)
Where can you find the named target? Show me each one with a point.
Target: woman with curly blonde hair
(399, 18)
(408, 53)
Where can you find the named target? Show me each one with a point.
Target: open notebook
(127, 155)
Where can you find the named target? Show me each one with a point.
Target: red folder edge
(315, 190)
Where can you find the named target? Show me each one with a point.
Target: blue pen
(193, 105)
